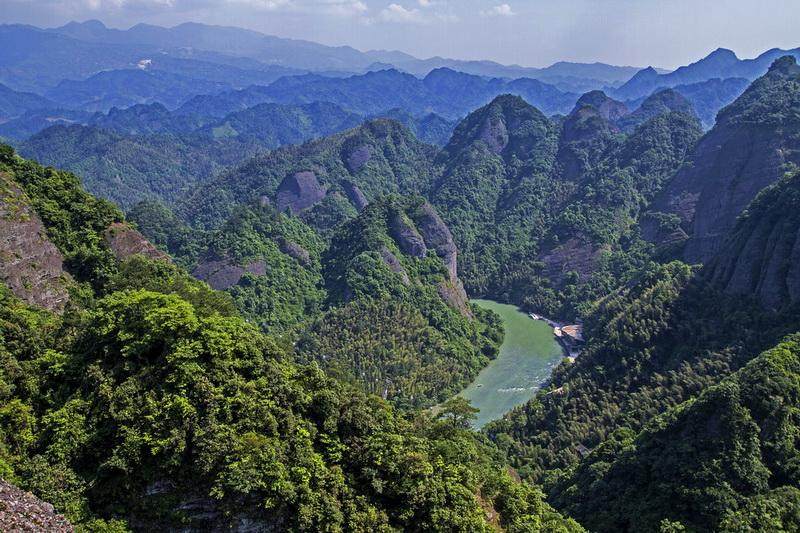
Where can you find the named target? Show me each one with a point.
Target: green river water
(527, 356)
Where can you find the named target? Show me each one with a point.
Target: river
(527, 357)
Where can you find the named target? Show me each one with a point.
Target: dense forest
(146, 401)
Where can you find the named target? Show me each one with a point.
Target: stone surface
(21, 511)
(358, 157)
(124, 242)
(299, 191)
(30, 265)
(355, 195)
(573, 255)
(223, 273)
(394, 264)
(495, 134)
(295, 251)
(406, 236)
(437, 236)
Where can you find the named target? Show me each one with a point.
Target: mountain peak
(722, 53)
(92, 24)
(609, 108)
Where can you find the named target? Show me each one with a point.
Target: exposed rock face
(299, 191)
(223, 273)
(574, 255)
(22, 511)
(749, 148)
(761, 257)
(358, 157)
(437, 236)
(407, 236)
(355, 195)
(30, 265)
(295, 251)
(125, 241)
(610, 109)
(394, 264)
(495, 134)
(456, 297)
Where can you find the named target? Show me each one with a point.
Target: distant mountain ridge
(313, 56)
(721, 63)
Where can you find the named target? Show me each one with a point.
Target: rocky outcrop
(610, 109)
(495, 134)
(223, 273)
(761, 256)
(30, 265)
(295, 251)
(21, 511)
(356, 158)
(437, 236)
(394, 264)
(574, 255)
(406, 236)
(453, 293)
(754, 141)
(124, 242)
(299, 191)
(355, 195)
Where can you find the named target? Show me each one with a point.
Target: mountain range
(250, 307)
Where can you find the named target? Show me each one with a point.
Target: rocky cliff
(30, 264)
(124, 242)
(756, 139)
(299, 191)
(761, 256)
(21, 511)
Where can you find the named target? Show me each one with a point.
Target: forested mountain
(611, 436)
(144, 401)
(148, 152)
(722, 462)
(539, 207)
(323, 180)
(239, 43)
(124, 88)
(130, 168)
(443, 91)
(15, 103)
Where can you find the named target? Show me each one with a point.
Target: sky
(662, 33)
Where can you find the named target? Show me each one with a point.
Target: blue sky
(664, 33)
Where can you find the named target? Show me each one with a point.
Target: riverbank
(568, 336)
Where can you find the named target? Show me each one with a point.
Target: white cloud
(424, 3)
(269, 5)
(342, 8)
(398, 13)
(503, 10)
